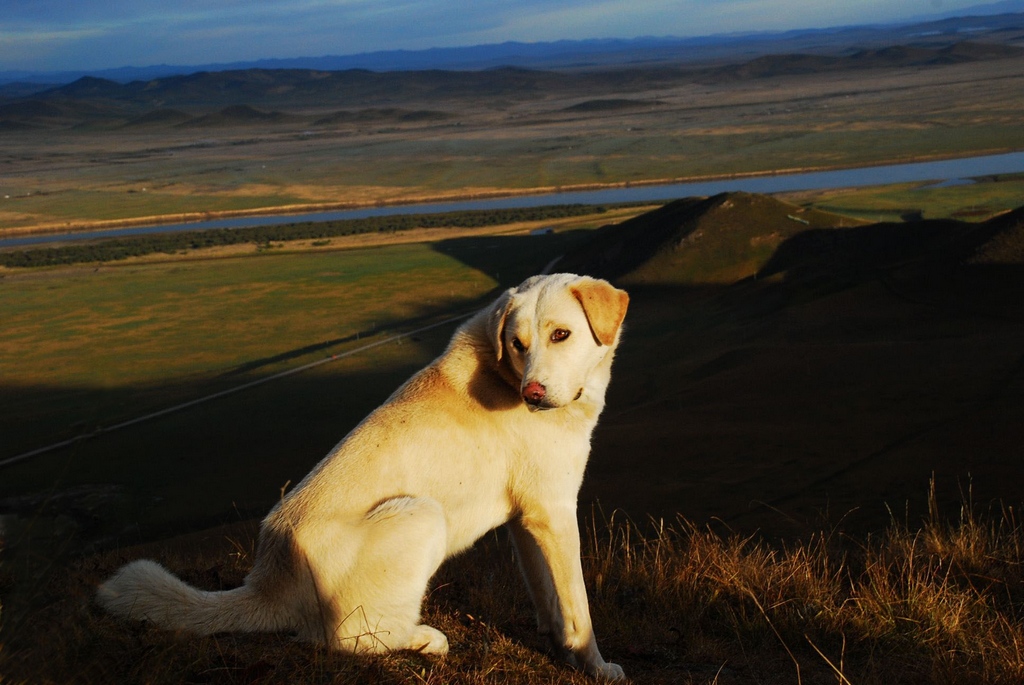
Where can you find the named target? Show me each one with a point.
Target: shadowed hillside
(893, 56)
(41, 113)
(720, 239)
(1005, 245)
(612, 105)
(776, 370)
(734, 236)
(380, 115)
(238, 115)
(935, 249)
(160, 117)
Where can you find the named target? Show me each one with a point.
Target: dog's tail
(146, 591)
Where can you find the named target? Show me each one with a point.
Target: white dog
(495, 431)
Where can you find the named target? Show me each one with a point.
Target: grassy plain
(540, 141)
(92, 346)
(970, 201)
(787, 423)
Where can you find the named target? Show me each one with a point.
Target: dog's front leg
(539, 583)
(551, 539)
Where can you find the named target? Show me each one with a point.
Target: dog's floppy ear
(604, 305)
(496, 321)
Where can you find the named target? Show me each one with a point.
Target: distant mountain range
(999, 17)
(328, 98)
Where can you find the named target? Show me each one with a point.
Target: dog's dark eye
(559, 335)
(518, 344)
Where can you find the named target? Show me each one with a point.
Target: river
(950, 170)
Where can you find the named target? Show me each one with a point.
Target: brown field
(674, 128)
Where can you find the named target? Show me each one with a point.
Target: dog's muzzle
(534, 394)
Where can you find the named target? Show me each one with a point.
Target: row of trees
(134, 246)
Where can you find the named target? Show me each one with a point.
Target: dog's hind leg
(402, 543)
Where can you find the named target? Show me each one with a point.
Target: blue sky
(47, 35)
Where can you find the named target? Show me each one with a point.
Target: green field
(969, 202)
(140, 325)
(85, 347)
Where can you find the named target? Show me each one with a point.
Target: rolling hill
(606, 88)
(776, 370)
(900, 56)
(238, 115)
(988, 22)
(721, 239)
(731, 237)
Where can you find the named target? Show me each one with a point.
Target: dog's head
(554, 331)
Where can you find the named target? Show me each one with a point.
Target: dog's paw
(427, 640)
(606, 671)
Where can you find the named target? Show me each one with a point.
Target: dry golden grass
(674, 603)
(938, 603)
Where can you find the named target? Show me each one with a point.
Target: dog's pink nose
(534, 392)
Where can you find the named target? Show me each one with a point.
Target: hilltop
(721, 239)
(876, 353)
(823, 435)
(732, 237)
